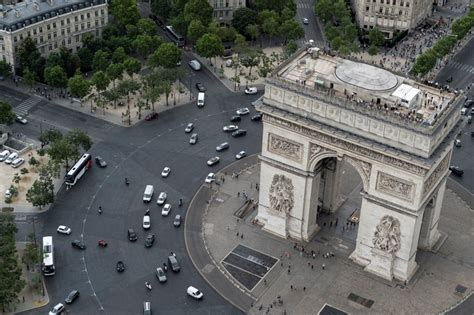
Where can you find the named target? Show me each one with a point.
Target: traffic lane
(462, 157)
(11, 96)
(461, 78)
(312, 29)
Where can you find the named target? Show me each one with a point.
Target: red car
(102, 243)
(151, 116)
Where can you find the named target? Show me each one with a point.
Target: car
(102, 243)
(173, 263)
(160, 274)
(8, 193)
(193, 139)
(189, 128)
(456, 170)
(449, 79)
(223, 146)
(195, 65)
(4, 155)
(22, 120)
(200, 87)
(78, 244)
(468, 103)
(230, 127)
(177, 220)
(12, 157)
(120, 266)
(166, 210)
(161, 198)
(132, 236)
(239, 133)
(100, 161)
(235, 118)
(62, 229)
(57, 309)
(305, 21)
(146, 222)
(241, 155)
(256, 117)
(457, 142)
(151, 116)
(17, 162)
(211, 177)
(242, 111)
(213, 161)
(149, 240)
(195, 293)
(166, 171)
(251, 90)
(73, 295)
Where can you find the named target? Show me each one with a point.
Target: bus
(78, 170)
(174, 36)
(48, 256)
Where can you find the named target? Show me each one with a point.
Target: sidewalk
(300, 282)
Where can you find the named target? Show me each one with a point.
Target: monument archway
(311, 130)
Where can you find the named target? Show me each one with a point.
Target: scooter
(126, 181)
(148, 285)
(180, 202)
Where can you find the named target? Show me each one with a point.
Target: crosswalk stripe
(24, 107)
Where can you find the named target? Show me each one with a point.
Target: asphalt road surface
(312, 30)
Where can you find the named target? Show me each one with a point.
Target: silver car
(222, 146)
(160, 274)
(189, 128)
(193, 139)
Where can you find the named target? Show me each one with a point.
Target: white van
(148, 194)
(195, 65)
(200, 101)
(4, 155)
(146, 308)
(464, 111)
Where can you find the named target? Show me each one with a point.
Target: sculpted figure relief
(394, 186)
(387, 235)
(281, 194)
(285, 147)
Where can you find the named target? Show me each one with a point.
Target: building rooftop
(13, 17)
(362, 87)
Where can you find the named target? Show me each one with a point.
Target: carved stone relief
(285, 147)
(387, 235)
(316, 150)
(434, 177)
(394, 186)
(403, 165)
(281, 194)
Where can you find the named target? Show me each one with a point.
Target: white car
(4, 155)
(161, 198)
(17, 162)
(213, 161)
(195, 293)
(211, 177)
(305, 21)
(166, 210)
(166, 171)
(58, 309)
(193, 139)
(241, 155)
(21, 120)
(242, 111)
(8, 193)
(62, 229)
(146, 222)
(12, 157)
(195, 65)
(230, 128)
(160, 274)
(189, 128)
(251, 90)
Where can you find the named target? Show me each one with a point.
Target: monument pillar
(429, 234)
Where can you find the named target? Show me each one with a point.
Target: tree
(127, 87)
(32, 253)
(249, 60)
(252, 31)
(79, 139)
(5, 68)
(146, 27)
(119, 55)
(243, 17)
(55, 77)
(115, 72)
(143, 45)
(179, 24)
(30, 78)
(78, 86)
(198, 10)
(132, 66)
(373, 50)
(101, 60)
(226, 34)
(7, 116)
(41, 192)
(276, 5)
(161, 8)
(86, 57)
(10, 282)
(34, 163)
(376, 37)
(195, 30)
(101, 81)
(125, 12)
(270, 26)
(28, 55)
(24, 171)
(209, 45)
(291, 29)
(167, 56)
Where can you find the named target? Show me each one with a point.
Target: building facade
(51, 24)
(224, 9)
(320, 112)
(391, 15)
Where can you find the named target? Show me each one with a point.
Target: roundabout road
(140, 153)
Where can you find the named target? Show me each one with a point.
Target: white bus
(48, 256)
(174, 36)
(78, 170)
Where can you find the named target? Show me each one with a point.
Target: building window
(41, 29)
(68, 21)
(367, 8)
(401, 3)
(15, 39)
(408, 4)
(381, 1)
(76, 18)
(88, 15)
(69, 40)
(62, 22)
(96, 23)
(48, 27)
(88, 24)
(54, 24)
(34, 31)
(41, 39)
(50, 47)
(96, 13)
(68, 30)
(55, 34)
(49, 36)
(394, 2)
(102, 11)
(380, 10)
(399, 12)
(55, 45)
(77, 28)
(82, 17)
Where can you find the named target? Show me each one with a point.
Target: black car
(235, 118)
(100, 161)
(149, 240)
(132, 236)
(78, 244)
(239, 133)
(456, 170)
(200, 87)
(257, 117)
(72, 296)
(120, 266)
(468, 103)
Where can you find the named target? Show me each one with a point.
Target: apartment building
(51, 24)
(224, 9)
(391, 15)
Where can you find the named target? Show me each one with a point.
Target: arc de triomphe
(322, 111)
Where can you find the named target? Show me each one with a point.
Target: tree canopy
(199, 10)
(7, 116)
(209, 46)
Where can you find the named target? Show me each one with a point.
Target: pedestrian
(312, 266)
(324, 266)
(238, 194)
(265, 281)
(223, 180)
(291, 287)
(337, 219)
(330, 224)
(304, 288)
(237, 234)
(281, 263)
(242, 235)
(309, 263)
(100, 209)
(23, 298)
(288, 270)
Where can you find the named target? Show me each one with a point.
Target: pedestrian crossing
(462, 66)
(24, 107)
(304, 5)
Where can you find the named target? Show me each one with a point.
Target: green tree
(250, 60)
(5, 68)
(198, 10)
(115, 72)
(55, 77)
(291, 29)
(243, 17)
(179, 23)
(167, 56)
(78, 86)
(132, 66)
(209, 46)
(271, 27)
(376, 37)
(226, 34)
(41, 192)
(28, 54)
(143, 45)
(79, 139)
(252, 30)
(119, 55)
(32, 253)
(125, 12)
(101, 60)
(7, 116)
(161, 8)
(30, 78)
(101, 81)
(276, 5)
(146, 27)
(86, 57)
(195, 30)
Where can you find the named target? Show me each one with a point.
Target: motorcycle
(148, 285)
(126, 181)
(180, 202)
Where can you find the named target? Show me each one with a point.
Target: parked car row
(11, 158)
